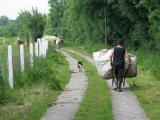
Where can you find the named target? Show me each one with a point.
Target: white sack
(103, 64)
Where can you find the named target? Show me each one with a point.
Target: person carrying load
(117, 57)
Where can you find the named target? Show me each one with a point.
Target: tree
(22, 22)
(4, 21)
(36, 24)
(54, 20)
(136, 21)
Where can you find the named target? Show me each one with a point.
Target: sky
(11, 8)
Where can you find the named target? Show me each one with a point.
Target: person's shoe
(119, 90)
(115, 88)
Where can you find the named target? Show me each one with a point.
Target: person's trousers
(119, 74)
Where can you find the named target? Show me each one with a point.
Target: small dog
(79, 65)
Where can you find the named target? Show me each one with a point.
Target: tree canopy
(136, 21)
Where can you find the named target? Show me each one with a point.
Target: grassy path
(96, 104)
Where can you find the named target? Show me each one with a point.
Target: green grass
(31, 104)
(8, 40)
(146, 88)
(35, 90)
(96, 104)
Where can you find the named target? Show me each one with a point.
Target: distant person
(58, 42)
(62, 42)
(118, 63)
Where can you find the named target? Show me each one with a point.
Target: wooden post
(10, 67)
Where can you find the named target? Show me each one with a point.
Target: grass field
(96, 104)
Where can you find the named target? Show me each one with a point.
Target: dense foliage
(36, 25)
(22, 24)
(136, 21)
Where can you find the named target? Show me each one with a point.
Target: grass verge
(35, 89)
(146, 87)
(96, 104)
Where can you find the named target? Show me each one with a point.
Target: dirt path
(68, 101)
(125, 105)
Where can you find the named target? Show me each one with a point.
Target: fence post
(10, 67)
(36, 49)
(43, 49)
(46, 47)
(22, 57)
(40, 47)
(31, 53)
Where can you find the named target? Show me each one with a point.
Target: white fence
(10, 67)
(38, 49)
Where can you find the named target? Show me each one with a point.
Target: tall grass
(35, 88)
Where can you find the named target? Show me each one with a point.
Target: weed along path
(69, 100)
(124, 104)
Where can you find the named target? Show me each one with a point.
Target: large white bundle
(103, 64)
(132, 71)
(102, 56)
(49, 37)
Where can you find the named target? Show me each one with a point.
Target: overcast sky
(11, 8)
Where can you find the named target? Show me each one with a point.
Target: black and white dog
(79, 65)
